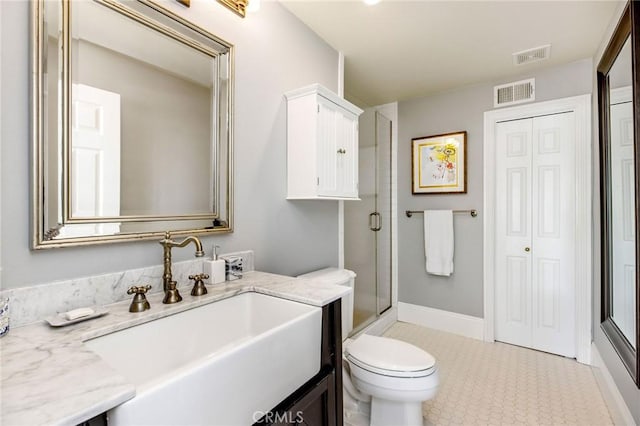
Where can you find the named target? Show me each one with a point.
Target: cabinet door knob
(342, 151)
(527, 249)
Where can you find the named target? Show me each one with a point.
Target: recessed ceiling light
(371, 2)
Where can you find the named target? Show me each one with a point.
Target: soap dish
(59, 320)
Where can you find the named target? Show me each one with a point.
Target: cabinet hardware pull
(527, 249)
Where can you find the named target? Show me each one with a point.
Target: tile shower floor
(495, 383)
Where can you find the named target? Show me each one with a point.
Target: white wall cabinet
(322, 145)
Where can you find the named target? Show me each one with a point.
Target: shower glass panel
(368, 222)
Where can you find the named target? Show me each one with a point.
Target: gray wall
(275, 53)
(456, 110)
(622, 379)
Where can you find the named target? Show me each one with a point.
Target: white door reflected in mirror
(95, 154)
(623, 253)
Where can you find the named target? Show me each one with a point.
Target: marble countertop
(48, 376)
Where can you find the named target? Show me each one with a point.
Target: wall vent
(532, 55)
(514, 93)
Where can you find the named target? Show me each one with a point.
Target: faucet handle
(139, 302)
(139, 289)
(199, 288)
(199, 277)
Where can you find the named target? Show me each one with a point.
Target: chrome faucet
(171, 294)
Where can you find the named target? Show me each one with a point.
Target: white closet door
(513, 228)
(535, 241)
(553, 244)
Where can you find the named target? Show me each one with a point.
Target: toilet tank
(338, 277)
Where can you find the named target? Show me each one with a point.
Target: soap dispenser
(215, 268)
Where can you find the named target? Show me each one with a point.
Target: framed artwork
(439, 164)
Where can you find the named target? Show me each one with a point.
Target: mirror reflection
(133, 139)
(131, 103)
(622, 202)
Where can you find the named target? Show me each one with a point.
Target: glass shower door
(368, 222)
(383, 207)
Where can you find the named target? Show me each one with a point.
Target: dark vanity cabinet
(319, 401)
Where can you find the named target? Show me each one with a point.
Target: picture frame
(439, 164)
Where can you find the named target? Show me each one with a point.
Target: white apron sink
(219, 364)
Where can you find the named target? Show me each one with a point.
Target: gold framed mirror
(132, 124)
(618, 102)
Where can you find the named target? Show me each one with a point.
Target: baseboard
(452, 322)
(617, 407)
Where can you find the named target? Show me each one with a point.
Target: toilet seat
(389, 357)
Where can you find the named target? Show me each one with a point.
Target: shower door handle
(378, 222)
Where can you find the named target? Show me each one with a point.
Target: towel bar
(472, 212)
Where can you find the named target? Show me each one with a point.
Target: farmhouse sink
(222, 363)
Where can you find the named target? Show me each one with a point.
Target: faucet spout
(167, 244)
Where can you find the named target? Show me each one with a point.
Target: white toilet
(385, 380)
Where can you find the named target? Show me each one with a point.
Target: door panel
(367, 250)
(513, 216)
(95, 152)
(535, 193)
(548, 219)
(553, 244)
(517, 201)
(327, 149)
(517, 292)
(360, 244)
(348, 156)
(95, 160)
(548, 293)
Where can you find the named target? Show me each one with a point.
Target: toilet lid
(388, 355)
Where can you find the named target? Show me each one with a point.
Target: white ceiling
(398, 50)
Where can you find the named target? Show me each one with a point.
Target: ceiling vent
(514, 93)
(532, 55)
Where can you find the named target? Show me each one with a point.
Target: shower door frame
(390, 315)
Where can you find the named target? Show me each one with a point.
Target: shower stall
(367, 223)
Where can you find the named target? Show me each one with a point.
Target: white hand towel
(438, 241)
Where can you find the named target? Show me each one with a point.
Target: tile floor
(495, 383)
